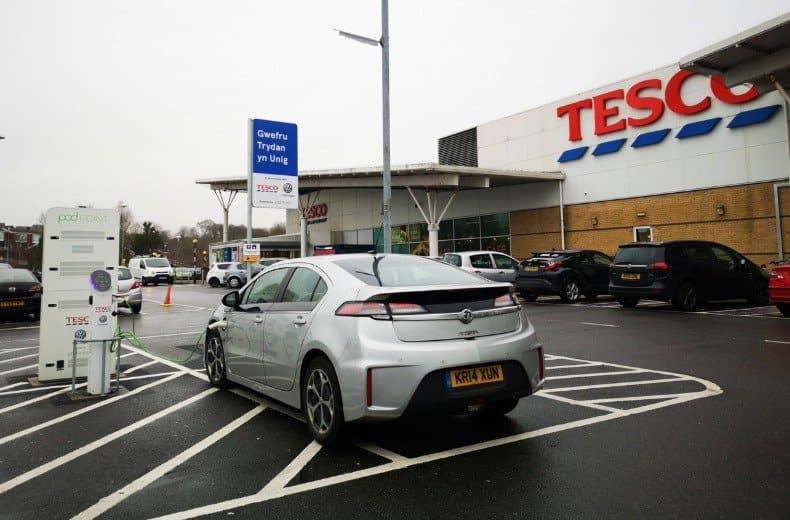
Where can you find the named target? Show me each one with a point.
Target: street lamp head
(194, 240)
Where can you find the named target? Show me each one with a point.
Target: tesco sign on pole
(274, 164)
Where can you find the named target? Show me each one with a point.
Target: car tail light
(506, 300)
(373, 309)
(34, 289)
(135, 284)
(663, 266)
(406, 308)
(777, 275)
(553, 265)
(369, 387)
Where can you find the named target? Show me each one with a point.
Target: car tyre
(628, 303)
(570, 291)
(322, 402)
(214, 359)
(214, 283)
(686, 298)
(784, 308)
(759, 295)
(498, 408)
(136, 308)
(143, 282)
(234, 282)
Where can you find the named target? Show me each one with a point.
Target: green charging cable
(131, 337)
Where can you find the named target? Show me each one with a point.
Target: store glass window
(445, 246)
(495, 225)
(467, 227)
(418, 232)
(499, 244)
(400, 234)
(467, 244)
(446, 230)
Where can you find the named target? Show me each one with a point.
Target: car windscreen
(405, 271)
(124, 273)
(641, 255)
(157, 262)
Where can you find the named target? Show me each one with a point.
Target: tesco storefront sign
(317, 213)
(647, 100)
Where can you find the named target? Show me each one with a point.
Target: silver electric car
(373, 337)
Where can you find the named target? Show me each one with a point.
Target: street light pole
(194, 259)
(383, 42)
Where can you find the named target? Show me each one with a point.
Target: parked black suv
(569, 273)
(686, 273)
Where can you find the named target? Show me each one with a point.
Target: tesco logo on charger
(267, 188)
(647, 100)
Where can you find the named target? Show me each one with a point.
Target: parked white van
(152, 270)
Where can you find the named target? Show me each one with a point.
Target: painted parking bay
(172, 464)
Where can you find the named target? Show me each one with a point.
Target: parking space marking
(614, 385)
(381, 452)
(17, 358)
(776, 341)
(18, 369)
(597, 374)
(634, 398)
(573, 366)
(13, 385)
(34, 389)
(171, 364)
(600, 324)
(138, 367)
(292, 469)
(272, 491)
(76, 413)
(110, 501)
(49, 466)
(8, 350)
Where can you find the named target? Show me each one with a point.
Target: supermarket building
(697, 149)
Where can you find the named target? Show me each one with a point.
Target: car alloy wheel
(322, 403)
(214, 283)
(570, 291)
(686, 298)
(234, 283)
(215, 360)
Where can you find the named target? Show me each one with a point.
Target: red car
(779, 287)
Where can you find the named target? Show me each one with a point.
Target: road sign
(251, 253)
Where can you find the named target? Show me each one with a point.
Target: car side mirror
(231, 299)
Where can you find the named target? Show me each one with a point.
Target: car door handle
(299, 321)
(258, 319)
(478, 272)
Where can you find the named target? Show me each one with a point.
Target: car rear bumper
(655, 291)
(537, 286)
(779, 294)
(25, 305)
(133, 298)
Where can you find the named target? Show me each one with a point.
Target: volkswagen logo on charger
(288, 187)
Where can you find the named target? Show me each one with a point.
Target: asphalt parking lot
(646, 412)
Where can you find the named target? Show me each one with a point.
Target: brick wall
(748, 223)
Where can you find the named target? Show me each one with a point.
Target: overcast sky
(104, 101)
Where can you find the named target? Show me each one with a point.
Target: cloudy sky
(104, 101)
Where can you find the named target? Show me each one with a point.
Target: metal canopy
(427, 175)
(753, 56)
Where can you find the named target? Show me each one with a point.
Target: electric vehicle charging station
(77, 301)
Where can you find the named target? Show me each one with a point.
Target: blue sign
(274, 148)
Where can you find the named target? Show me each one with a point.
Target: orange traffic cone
(167, 303)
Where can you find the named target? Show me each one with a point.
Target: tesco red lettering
(317, 211)
(637, 97)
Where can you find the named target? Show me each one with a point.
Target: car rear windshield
(124, 273)
(639, 255)
(17, 276)
(405, 271)
(157, 262)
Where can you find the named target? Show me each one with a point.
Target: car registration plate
(474, 376)
(531, 268)
(630, 276)
(12, 303)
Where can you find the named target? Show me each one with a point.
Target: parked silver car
(373, 337)
(129, 293)
(488, 264)
(233, 274)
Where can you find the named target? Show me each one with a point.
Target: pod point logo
(80, 334)
(288, 187)
(82, 219)
(103, 318)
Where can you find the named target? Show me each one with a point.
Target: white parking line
(597, 374)
(34, 389)
(7, 350)
(110, 501)
(776, 341)
(13, 385)
(600, 324)
(381, 452)
(633, 398)
(575, 402)
(17, 358)
(614, 385)
(295, 466)
(76, 413)
(575, 366)
(18, 369)
(49, 466)
(138, 367)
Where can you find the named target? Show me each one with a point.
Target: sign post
(273, 180)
